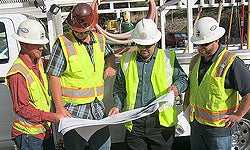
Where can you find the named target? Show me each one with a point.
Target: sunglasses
(145, 46)
(205, 45)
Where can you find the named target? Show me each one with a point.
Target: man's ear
(217, 41)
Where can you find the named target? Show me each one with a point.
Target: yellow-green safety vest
(161, 79)
(209, 101)
(38, 93)
(82, 81)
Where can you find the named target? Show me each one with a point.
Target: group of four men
(76, 72)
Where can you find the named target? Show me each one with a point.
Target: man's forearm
(110, 61)
(186, 99)
(56, 91)
(243, 106)
(180, 80)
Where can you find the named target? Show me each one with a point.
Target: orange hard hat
(82, 18)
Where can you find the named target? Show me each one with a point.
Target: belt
(153, 115)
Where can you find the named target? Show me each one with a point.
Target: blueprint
(86, 128)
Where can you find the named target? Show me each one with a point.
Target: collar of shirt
(27, 62)
(92, 39)
(141, 59)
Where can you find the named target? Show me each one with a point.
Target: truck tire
(241, 138)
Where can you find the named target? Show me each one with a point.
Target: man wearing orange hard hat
(77, 71)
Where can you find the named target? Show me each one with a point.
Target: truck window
(4, 49)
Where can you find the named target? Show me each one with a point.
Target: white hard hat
(207, 30)
(31, 31)
(146, 32)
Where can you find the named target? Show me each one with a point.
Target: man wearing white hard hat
(143, 76)
(28, 86)
(217, 77)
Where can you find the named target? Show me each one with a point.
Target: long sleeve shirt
(145, 93)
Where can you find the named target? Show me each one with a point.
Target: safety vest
(38, 94)
(209, 101)
(161, 79)
(82, 81)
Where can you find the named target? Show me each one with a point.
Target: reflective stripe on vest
(193, 62)
(227, 56)
(19, 67)
(82, 93)
(101, 41)
(70, 48)
(168, 64)
(73, 94)
(211, 116)
(126, 62)
(28, 124)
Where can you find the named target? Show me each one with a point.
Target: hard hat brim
(219, 34)
(146, 42)
(29, 41)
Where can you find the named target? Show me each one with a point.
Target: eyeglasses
(205, 45)
(79, 33)
(145, 46)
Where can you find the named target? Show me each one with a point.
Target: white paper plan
(86, 127)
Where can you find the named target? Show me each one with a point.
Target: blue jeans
(29, 142)
(100, 140)
(204, 142)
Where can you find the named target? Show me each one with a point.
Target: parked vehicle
(176, 39)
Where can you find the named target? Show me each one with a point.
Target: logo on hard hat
(24, 30)
(143, 35)
(213, 28)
